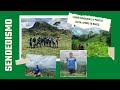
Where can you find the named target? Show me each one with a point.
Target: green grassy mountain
(96, 45)
(40, 29)
(43, 26)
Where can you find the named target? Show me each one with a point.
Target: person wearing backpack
(39, 41)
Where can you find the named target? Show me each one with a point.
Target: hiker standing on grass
(39, 41)
(30, 42)
(45, 41)
(49, 41)
(34, 41)
(53, 41)
(42, 41)
(57, 41)
(72, 65)
(80, 47)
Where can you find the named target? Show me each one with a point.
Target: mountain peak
(39, 24)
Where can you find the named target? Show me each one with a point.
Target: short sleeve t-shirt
(71, 63)
(39, 39)
(37, 70)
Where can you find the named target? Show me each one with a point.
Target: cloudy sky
(29, 22)
(80, 31)
(41, 61)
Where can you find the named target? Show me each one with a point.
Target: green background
(97, 68)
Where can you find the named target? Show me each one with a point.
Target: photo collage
(45, 39)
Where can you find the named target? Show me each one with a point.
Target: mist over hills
(80, 31)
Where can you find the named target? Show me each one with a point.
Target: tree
(107, 35)
(83, 37)
(90, 34)
(75, 43)
(108, 39)
(56, 23)
(101, 34)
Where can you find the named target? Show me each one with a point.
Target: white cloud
(63, 23)
(27, 22)
(41, 61)
(80, 31)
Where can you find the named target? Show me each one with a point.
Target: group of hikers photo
(44, 41)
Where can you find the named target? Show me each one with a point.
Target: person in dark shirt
(45, 41)
(34, 41)
(39, 41)
(30, 42)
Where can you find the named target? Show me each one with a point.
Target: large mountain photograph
(45, 36)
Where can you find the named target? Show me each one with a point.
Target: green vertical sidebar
(1, 45)
(17, 71)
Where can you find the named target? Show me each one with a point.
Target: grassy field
(66, 74)
(64, 44)
(95, 48)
